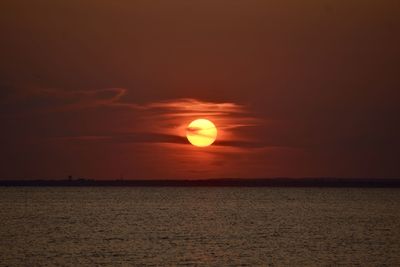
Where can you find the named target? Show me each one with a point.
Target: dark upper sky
(104, 89)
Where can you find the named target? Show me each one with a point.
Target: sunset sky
(106, 89)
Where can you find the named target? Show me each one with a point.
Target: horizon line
(218, 182)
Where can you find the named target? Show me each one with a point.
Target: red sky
(100, 89)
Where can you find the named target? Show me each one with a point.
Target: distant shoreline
(267, 182)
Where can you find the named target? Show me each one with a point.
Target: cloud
(61, 100)
(162, 121)
(31, 100)
(240, 144)
(143, 137)
(185, 105)
(148, 137)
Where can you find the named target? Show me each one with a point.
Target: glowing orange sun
(201, 132)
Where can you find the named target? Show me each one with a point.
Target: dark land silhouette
(233, 182)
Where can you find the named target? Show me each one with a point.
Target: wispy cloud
(149, 137)
(162, 121)
(113, 97)
(143, 137)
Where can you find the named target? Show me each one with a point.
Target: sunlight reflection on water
(199, 226)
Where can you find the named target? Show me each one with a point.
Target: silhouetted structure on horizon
(267, 182)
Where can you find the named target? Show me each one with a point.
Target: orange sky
(100, 89)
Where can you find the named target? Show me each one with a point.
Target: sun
(201, 132)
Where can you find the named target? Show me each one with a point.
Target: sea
(199, 226)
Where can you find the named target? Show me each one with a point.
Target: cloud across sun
(201, 132)
(162, 122)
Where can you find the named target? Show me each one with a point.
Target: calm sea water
(199, 226)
